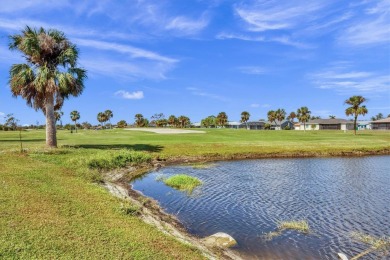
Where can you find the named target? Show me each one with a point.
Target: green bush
(107, 160)
(183, 182)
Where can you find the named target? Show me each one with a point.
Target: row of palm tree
(51, 74)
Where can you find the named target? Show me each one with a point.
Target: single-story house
(253, 125)
(327, 124)
(382, 124)
(233, 124)
(280, 125)
(363, 125)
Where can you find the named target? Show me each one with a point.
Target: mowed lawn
(50, 208)
(213, 142)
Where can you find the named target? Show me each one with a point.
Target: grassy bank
(51, 207)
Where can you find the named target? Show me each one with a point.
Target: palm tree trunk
(354, 124)
(51, 139)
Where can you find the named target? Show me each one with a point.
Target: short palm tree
(303, 115)
(292, 116)
(222, 119)
(75, 115)
(139, 120)
(183, 121)
(355, 109)
(50, 74)
(102, 117)
(172, 121)
(57, 116)
(109, 115)
(245, 118)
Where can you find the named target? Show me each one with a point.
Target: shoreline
(118, 184)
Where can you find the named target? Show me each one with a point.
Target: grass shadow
(135, 147)
(23, 140)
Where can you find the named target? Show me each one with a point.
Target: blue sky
(200, 57)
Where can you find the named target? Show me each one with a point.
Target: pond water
(246, 199)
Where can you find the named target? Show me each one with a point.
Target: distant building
(364, 125)
(254, 125)
(383, 124)
(326, 124)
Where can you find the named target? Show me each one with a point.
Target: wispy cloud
(266, 105)
(201, 93)
(274, 15)
(129, 95)
(128, 49)
(186, 26)
(371, 27)
(345, 80)
(253, 70)
(283, 39)
(126, 70)
(255, 105)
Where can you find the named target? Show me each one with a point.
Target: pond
(247, 199)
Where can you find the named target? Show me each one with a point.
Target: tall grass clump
(377, 244)
(300, 226)
(183, 182)
(107, 160)
(297, 225)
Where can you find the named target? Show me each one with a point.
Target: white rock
(220, 240)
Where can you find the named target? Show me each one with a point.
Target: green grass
(48, 212)
(183, 182)
(297, 225)
(51, 208)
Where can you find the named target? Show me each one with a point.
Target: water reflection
(246, 198)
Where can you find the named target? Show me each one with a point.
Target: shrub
(107, 160)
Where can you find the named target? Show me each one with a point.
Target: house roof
(261, 123)
(330, 121)
(385, 120)
(233, 123)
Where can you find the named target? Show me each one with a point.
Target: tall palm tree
(303, 115)
(222, 119)
(49, 75)
(102, 117)
(355, 109)
(280, 115)
(245, 118)
(272, 116)
(139, 120)
(75, 115)
(109, 115)
(292, 116)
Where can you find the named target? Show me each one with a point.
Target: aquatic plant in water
(298, 225)
(183, 182)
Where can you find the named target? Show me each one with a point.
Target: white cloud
(201, 93)
(371, 28)
(283, 39)
(186, 26)
(130, 95)
(347, 82)
(254, 70)
(266, 105)
(2, 114)
(128, 49)
(255, 105)
(126, 70)
(276, 15)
